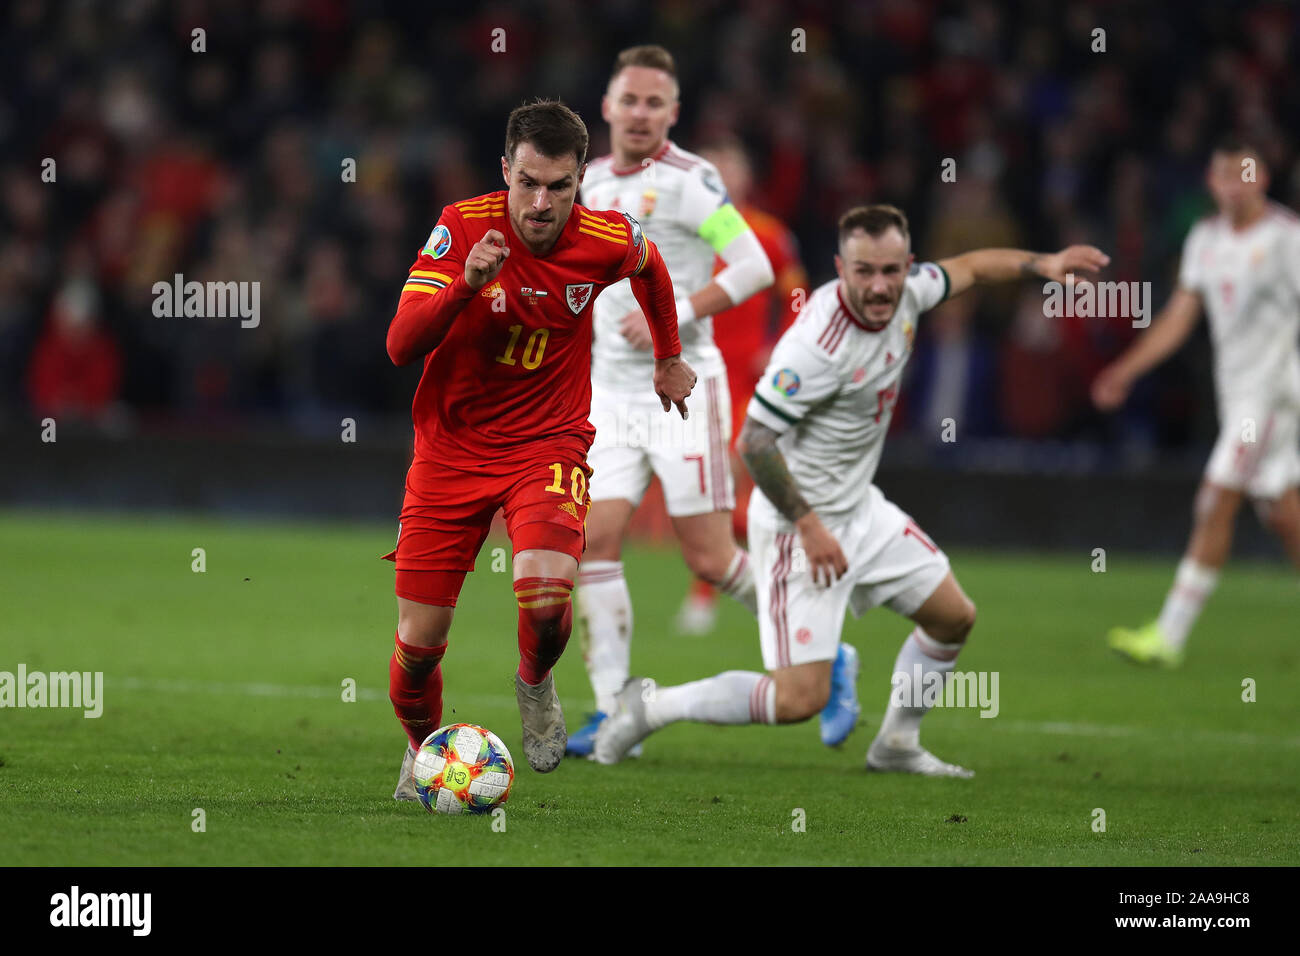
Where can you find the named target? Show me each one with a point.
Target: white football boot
(406, 779)
(626, 728)
(545, 736)
(881, 757)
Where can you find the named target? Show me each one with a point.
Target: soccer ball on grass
(463, 768)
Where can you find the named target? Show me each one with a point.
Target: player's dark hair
(552, 128)
(873, 220)
(649, 55)
(1232, 144)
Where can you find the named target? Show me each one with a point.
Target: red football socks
(415, 688)
(545, 623)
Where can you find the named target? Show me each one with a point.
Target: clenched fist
(485, 259)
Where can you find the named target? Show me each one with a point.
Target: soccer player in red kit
(498, 305)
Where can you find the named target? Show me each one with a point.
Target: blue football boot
(840, 714)
(582, 742)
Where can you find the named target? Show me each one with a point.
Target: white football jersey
(830, 389)
(1249, 282)
(683, 207)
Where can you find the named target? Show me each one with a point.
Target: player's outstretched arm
(1172, 325)
(758, 449)
(423, 319)
(984, 266)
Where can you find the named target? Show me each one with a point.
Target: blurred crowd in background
(226, 165)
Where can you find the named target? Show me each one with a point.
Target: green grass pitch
(223, 691)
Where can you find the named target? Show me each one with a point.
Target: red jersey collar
(839, 291)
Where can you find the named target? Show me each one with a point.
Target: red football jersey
(512, 375)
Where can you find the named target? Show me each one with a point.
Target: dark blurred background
(226, 165)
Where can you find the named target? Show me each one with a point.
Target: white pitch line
(250, 689)
(1063, 728)
(1069, 729)
(241, 690)
(1051, 728)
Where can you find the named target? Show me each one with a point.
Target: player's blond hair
(649, 55)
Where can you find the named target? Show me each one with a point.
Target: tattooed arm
(757, 447)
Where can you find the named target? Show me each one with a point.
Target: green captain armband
(724, 224)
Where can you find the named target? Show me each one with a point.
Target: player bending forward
(1243, 267)
(812, 439)
(498, 305)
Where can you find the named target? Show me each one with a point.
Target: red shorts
(448, 512)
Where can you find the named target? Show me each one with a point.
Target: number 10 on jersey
(534, 347)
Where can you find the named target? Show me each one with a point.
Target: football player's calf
(545, 623)
(415, 680)
(788, 695)
(713, 555)
(733, 697)
(944, 621)
(415, 688)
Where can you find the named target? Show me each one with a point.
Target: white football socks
(605, 610)
(739, 581)
(921, 661)
(1193, 585)
(732, 697)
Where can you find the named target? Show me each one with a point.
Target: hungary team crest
(577, 295)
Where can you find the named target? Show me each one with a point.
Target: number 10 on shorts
(577, 483)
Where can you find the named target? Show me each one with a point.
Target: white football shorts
(892, 562)
(1258, 453)
(636, 438)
